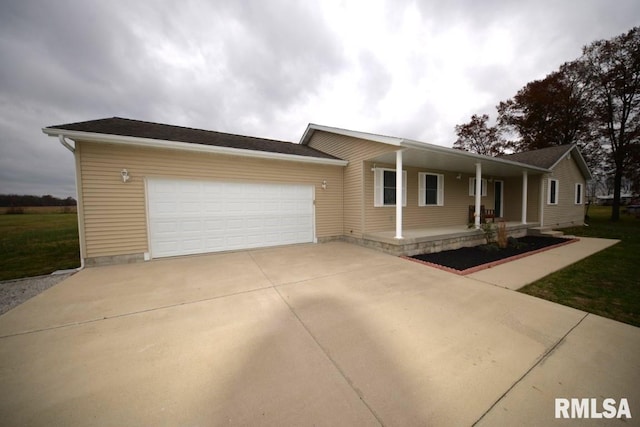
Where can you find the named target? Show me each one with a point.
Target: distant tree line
(15, 200)
(592, 101)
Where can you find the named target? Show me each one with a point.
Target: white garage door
(190, 217)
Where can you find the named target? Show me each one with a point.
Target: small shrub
(489, 248)
(515, 243)
(489, 231)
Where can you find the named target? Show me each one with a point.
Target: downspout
(79, 212)
(66, 145)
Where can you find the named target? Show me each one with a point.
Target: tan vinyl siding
(566, 213)
(356, 151)
(454, 211)
(114, 213)
(513, 198)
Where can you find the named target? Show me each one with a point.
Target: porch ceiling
(427, 156)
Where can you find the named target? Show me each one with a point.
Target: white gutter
(188, 146)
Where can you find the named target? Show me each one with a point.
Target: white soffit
(433, 157)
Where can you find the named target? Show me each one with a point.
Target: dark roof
(542, 158)
(141, 129)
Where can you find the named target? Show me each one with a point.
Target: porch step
(544, 231)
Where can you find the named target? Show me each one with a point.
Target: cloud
(411, 69)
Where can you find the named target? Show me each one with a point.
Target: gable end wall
(566, 213)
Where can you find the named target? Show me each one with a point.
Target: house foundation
(428, 240)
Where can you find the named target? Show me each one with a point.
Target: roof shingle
(543, 158)
(158, 131)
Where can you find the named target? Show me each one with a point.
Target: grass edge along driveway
(38, 244)
(606, 283)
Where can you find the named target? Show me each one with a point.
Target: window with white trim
(578, 198)
(552, 192)
(472, 187)
(384, 182)
(431, 189)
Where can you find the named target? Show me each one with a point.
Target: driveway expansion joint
(537, 363)
(348, 380)
(131, 313)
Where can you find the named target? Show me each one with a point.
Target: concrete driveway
(329, 334)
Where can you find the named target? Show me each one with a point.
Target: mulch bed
(468, 260)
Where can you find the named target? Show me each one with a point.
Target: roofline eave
(479, 157)
(312, 127)
(188, 146)
(407, 143)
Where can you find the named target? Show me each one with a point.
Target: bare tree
(477, 137)
(551, 111)
(612, 69)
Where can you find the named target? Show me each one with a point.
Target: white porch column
(478, 194)
(399, 195)
(525, 185)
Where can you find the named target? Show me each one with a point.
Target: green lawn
(36, 244)
(607, 283)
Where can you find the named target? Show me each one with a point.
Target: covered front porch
(435, 239)
(428, 198)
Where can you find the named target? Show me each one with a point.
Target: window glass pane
(390, 196)
(579, 193)
(553, 192)
(431, 188)
(483, 187)
(389, 188)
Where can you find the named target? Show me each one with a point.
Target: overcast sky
(267, 68)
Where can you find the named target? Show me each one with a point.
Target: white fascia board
(479, 157)
(312, 127)
(188, 146)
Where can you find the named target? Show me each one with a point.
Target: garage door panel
(187, 217)
(191, 226)
(166, 207)
(212, 225)
(212, 209)
(166, 227)
(191, 244)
